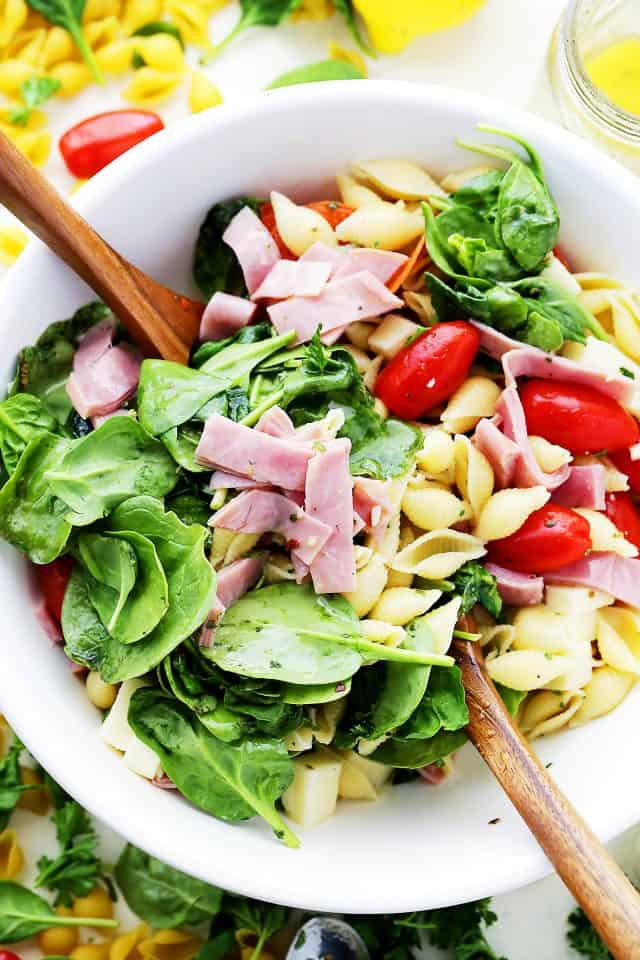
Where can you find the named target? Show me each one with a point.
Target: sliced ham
(322, 253)
(381, 263)
(529, 362)
(329, 498)
(293, 278)
(48, 622)
(232, 583)
(234, 448)
(253, 245)
(224, 315)
(300, 569)
(619, 576)
(276, 422)
(584, 487)
(517, 589)
(321, 431)
(360, 296)
(371, 502)
(101, 418)
(221, 480)
(501, 452)
(260, 511)
(103, 376)
(528, 473)
(494, 343)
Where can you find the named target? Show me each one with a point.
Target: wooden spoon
(588, 870)
(161, 322)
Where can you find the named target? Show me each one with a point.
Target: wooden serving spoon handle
(161, 322)
(593, 877)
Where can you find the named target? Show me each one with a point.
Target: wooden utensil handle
(31, 198)
(583, 863)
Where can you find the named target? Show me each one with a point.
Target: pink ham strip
(259, 511)
(619, 576)
(50, 626)
(584, 487)
(360, 296)
(277, 423)
(329, 498)
(234, 448)
(501, 452)
(224, 315)
(323, 253)
(371, 502)
(101, 418)
(103, 376)
(220, 480)
(517, 589)
(529, 362)
(381, 263)
(433, 773)
(494, 343)
(528, 473)
(253, 245)
(233, 582)
(163, 783)
(293, 278)
(300, 568)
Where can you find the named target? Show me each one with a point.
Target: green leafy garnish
(346, 9)
(77, 868)
(474, 584)
(159, 26)
(22, 417)
(316, 73)
(24, 914)
(34, 91)
(256, 13)
(11, 786)
(68, 15)
(583, 938)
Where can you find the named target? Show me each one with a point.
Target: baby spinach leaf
(127, 584)
(23, 914)
(481, 193)
(182, 441)
(443, 707)
(511, 698)
(85, 636)
(474, 584)
(22, 417)
(315, 693)
(68, 15)
(11, 786)
(161, 895)
(412, 754)
(159, 26)
(464, 242)
(317, 72)
(257, 13)
(346, 9)
(231, 781)
(250, 334)
(215, 266)
(114, 462)
(189, 507)
(32, 518)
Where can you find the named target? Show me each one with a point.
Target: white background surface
(500, 53)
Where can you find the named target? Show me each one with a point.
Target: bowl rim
(180, 136)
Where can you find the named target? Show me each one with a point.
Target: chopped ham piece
(619, 576)
(101, 418)
(233, 582)
(221, 480)
(494, 343)
(381, 263)
(234, 448)
(276, 422)
(517, 589)
(329, 498)
(530, 362)
(321, 431)
(323, 253)
(224, 315)
(103, 376)
(433, 773)
(584, 487)
(501, 452)
(371, 502)
(253, 245)
(360, 296)
(260, 511)
(293, 278)
(528, 472)
(300, 568)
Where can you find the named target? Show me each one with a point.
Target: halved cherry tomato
(333, 211)
(53, 579)
(429, 370)
(562, 257)
(621, 510)
(580, 418)
(550, 538)
(622, 460)
(8, 955)
(268, 217)
(96, 141)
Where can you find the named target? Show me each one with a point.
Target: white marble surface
(500, 53)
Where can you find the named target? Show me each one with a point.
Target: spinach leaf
(11, 786)
(85, 636)
(159, 26)
(412, 754)
(463, 241)
(127, 584)
(346, 9)
(511, 698)
(262, 919)
(481, 193)
(22, 417)
(44, 368)
(219, 947)
(161, 895)
(23, 914)
(257, 13)
(442, 708)
(114, 462)
(474, 584)
(215, 266)
(231, 781)
(315, 693)
(317, 72)
(32, 518)
(250, 334)
(77, 869)
(68, 15)
(189, 508)
(33, 92)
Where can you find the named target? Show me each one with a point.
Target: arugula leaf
(68, 15)
(256, 13)
(22, 417)
(161, 895)
(215, 266)
(34, 91)
(231, 781)
(11, 786)
(77, 869)
(474, 584)
(583, 938)
(317, 72)
(24, 914)
(159, 26)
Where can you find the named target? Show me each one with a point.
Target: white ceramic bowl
(419, 846)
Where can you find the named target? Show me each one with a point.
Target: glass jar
(586, 29)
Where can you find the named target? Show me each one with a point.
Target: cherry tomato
(332, 211)
(550, 538)
(96, 141)
(621, 510)
(8, 955)
(580, 418)
(53, 579)
(622, 460)
(429, 370)
(562, 257)
(268, 217)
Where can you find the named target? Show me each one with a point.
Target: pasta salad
(404, 408)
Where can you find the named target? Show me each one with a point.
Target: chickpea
(100, 693)
(96, 904)
(91, 951)
(36, 801)
(58, 941)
